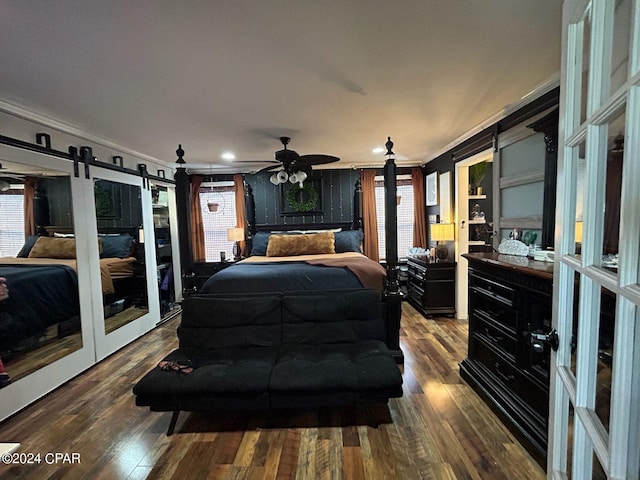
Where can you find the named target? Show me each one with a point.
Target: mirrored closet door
(46, 329)
(166, 245)
(125, 259)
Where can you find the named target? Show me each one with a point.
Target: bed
(43, 287)
(302, 260)
(261, 274)
(318, 257)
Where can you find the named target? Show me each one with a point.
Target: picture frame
(431, 189)
(107, 196)
(444, 184)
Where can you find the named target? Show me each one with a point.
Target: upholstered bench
(268, 351)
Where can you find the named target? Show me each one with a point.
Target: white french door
(595, 400)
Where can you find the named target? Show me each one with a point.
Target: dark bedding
(39, 296)
(279, 277)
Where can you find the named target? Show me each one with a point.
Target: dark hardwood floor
(438, 430)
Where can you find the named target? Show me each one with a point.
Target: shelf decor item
(477, 173)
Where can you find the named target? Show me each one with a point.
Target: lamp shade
(235, 234)
(442, 232)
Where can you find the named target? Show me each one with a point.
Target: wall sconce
(236, 234)
(442, 233)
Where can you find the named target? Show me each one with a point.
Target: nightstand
(432, 286)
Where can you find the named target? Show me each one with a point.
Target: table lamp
(236, 234)
(441, 233)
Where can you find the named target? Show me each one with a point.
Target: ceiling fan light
(4, 186)
(282, 176)
(301, 176)
(274, 179)
(293, 178)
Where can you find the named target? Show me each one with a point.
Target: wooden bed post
(357, 206)
(184, 223)
(392, 288)
(249, 209)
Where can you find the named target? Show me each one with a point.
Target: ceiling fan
(291, 166)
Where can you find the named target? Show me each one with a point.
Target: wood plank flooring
(439, 429)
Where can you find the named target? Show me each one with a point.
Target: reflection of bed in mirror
(43, 304)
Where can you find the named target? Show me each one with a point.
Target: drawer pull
(504, 377)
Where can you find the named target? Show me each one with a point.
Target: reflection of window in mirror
(40, 319)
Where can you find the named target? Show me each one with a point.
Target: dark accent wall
(337, 197)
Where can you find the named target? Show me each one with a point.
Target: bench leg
(172, 423)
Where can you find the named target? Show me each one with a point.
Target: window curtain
(241, 221)
(197, 229)
(369, 220)
(30, 184)
(419, 223)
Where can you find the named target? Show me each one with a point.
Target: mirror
(121, 247)
(162, 230)
(40, 319)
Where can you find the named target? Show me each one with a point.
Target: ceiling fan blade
(256, 161)
(269, 168)
(317, 159)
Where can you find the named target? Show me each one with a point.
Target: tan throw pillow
(56, 247)
(53, 247)
(309, 244)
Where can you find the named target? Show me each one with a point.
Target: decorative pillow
(309, 244)
(349, 241)
(56, 247)
(260, 240)
(116, 246)
(51, 247)
(259, 243)
(28, 245)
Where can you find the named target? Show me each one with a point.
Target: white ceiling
(338, 76)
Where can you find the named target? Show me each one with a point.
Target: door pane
(580, 172)
(605, 356)
(620, 45)
(40, 320)
(122, 261)
(613, 189)
(586, 45)
(573, 340)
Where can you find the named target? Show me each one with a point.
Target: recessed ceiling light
(377, 150)
(228, 156)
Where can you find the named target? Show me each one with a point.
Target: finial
(180, 154)
(389, 146)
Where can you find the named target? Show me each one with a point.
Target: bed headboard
(278, 227)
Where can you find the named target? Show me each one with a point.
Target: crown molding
(69, 129)
(545, 87)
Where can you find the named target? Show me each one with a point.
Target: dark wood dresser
(510, 307)
(431, 286)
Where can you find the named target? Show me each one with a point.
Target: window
(218, 206)
(405, 215)
(11, 223)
